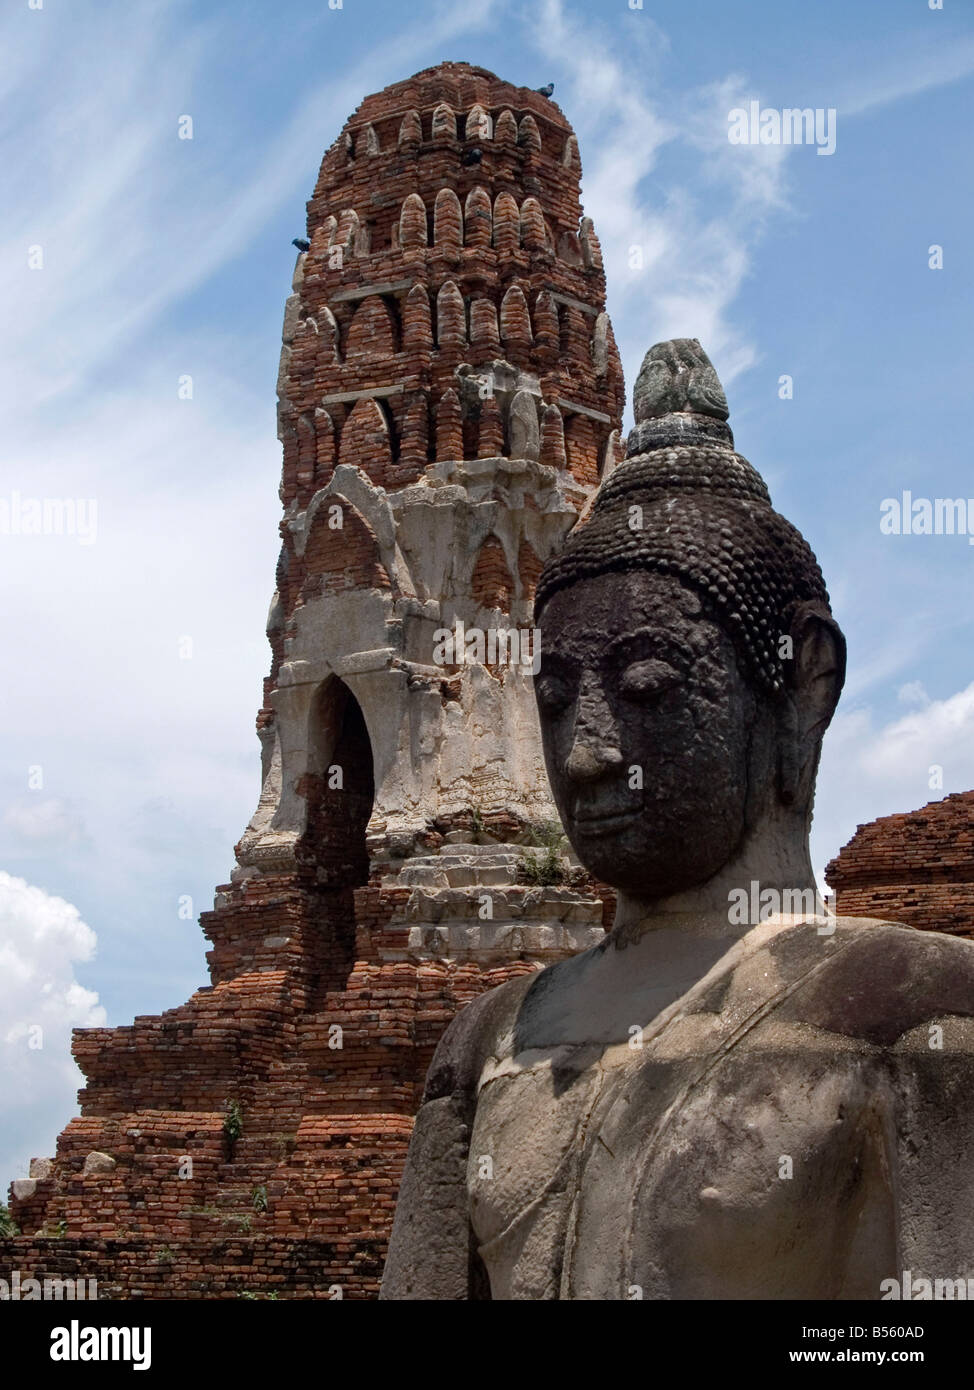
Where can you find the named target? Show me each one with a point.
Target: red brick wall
(916, 868)
(492, 583)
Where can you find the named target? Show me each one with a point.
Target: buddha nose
(594, 750)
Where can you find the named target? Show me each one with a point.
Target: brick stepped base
(326, 1098)
(222, 1267)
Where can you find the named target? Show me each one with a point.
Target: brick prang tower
(450, 395)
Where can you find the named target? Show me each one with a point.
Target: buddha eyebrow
(663, 644)
(566, 649)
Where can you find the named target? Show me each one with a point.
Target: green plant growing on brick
(8, 1226)
(249, 1293)
(165, 1255)
(239, 1222)
(548, 867)
(232, 1123)
(258, 1198)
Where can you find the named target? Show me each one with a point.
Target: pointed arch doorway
(340, 799)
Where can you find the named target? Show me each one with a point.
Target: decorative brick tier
(916, 868)
(449, 396)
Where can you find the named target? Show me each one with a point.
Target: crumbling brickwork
(916, 868)
(449, 394)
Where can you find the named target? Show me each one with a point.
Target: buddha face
(655, 744)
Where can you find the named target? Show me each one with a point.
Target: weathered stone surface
(371, 333)
(676, 377)
(490, 435)
(505, 131)
(515, 322)
(507, 226)
(591, 246)
(600, 344)
(326, 330)
(417, 322)
(444, 123)
(553, 453)
(413, 231)
(415, 434)
(772, 1041)
(449, 427)
(348, 225)
(447, 220)
(97, 1164)
(451, 318)
(570, 249)
(484, 332)
(524, 431)
(324, 434)
(323, 236)
(528, 134)
(365, 438)
(410, 130)
(546, 330)
(571, 158)
(532, 225)
(478, 217)
(479, 125)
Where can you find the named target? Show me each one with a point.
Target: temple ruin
(450, 395)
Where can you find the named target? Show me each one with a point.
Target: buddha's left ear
(815, 674)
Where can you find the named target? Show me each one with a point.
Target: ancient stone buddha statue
(711, 1103)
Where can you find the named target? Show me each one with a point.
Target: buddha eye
(554, 694)
(646, 680)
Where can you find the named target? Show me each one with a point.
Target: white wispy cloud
(908, 73)
(677, 246)
(871, 768)
(47, 821)
(42, 939)
(130, 219)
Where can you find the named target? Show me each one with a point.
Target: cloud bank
(42, 939)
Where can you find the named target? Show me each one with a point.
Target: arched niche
(340, 788)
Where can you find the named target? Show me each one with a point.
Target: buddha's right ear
(816, 674)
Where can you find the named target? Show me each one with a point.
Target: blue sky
(164, 257)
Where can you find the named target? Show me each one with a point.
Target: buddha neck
(774, 859)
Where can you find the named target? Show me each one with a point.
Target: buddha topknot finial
(678, 376)
(678, 398)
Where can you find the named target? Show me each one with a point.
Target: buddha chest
(686, 1168)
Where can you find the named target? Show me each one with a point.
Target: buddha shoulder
(473, 1036)
(875, 980)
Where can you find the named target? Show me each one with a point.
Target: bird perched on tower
(301, 244)
(545, 91)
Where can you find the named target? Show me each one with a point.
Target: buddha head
(690, 662)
